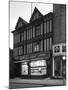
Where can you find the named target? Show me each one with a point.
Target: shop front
(35, 68)
(59, 61)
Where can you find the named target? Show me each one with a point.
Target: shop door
(57, 66)
(18, 69)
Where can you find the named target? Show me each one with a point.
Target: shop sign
(44, 54)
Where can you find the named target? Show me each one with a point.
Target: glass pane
(44, 27)
(47, 26)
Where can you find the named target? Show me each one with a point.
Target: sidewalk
(46, 81)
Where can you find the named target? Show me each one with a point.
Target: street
(28, 83)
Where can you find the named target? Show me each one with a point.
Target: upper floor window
(44, 27)
(15, 52)
(29, 48)
(57, 49)
(63, 48)
(23, 35)
(38, 30)
(36, 46)
(16, 38)
(20, 52)
(48, 26)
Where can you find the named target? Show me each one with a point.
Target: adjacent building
(38, 45)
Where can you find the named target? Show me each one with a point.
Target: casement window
(51, 25)
(22, 36)
(20, 50)
(33, 31)
(48, 26)
(36, 46)
(15, 52)
(44, 44)
(29, 48)
(41, 28)
(27, 35)
(41, 45)
(57, 49)
(63, 48)
(24, 49)
(44, 27)
(38, 30)
(47, 44)
(16, 38)
(50, 43)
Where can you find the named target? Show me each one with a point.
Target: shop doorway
(59, 67)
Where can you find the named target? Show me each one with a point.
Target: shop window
(24, 69)
(38, 67)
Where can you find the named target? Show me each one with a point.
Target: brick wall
(59, 23)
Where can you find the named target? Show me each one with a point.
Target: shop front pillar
(53, 73)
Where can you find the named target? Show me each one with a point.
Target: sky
(25, 10)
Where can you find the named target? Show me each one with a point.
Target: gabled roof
(34, 12)
(20, 23)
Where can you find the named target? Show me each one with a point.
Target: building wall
(59, 23)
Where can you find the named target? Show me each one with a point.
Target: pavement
(26, 83)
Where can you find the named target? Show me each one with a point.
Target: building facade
(35, 43)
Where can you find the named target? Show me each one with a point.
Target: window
(38, 30)
(38, 67)
(47, 26)
(20, 50)
(36, 47)
(44, 44)
(33, 31)
(63, 48)
(44, 27)
(41, 28)
(16, 38)
(41, 45)
(57, 49)
(24, 49)
(47, 44)
(15, 51)
(50, 25)
(22, 36)
(24, 69)
(50, 43)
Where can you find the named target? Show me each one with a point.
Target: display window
(38, 67)
(24, 69)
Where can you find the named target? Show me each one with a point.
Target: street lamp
(63, 57)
